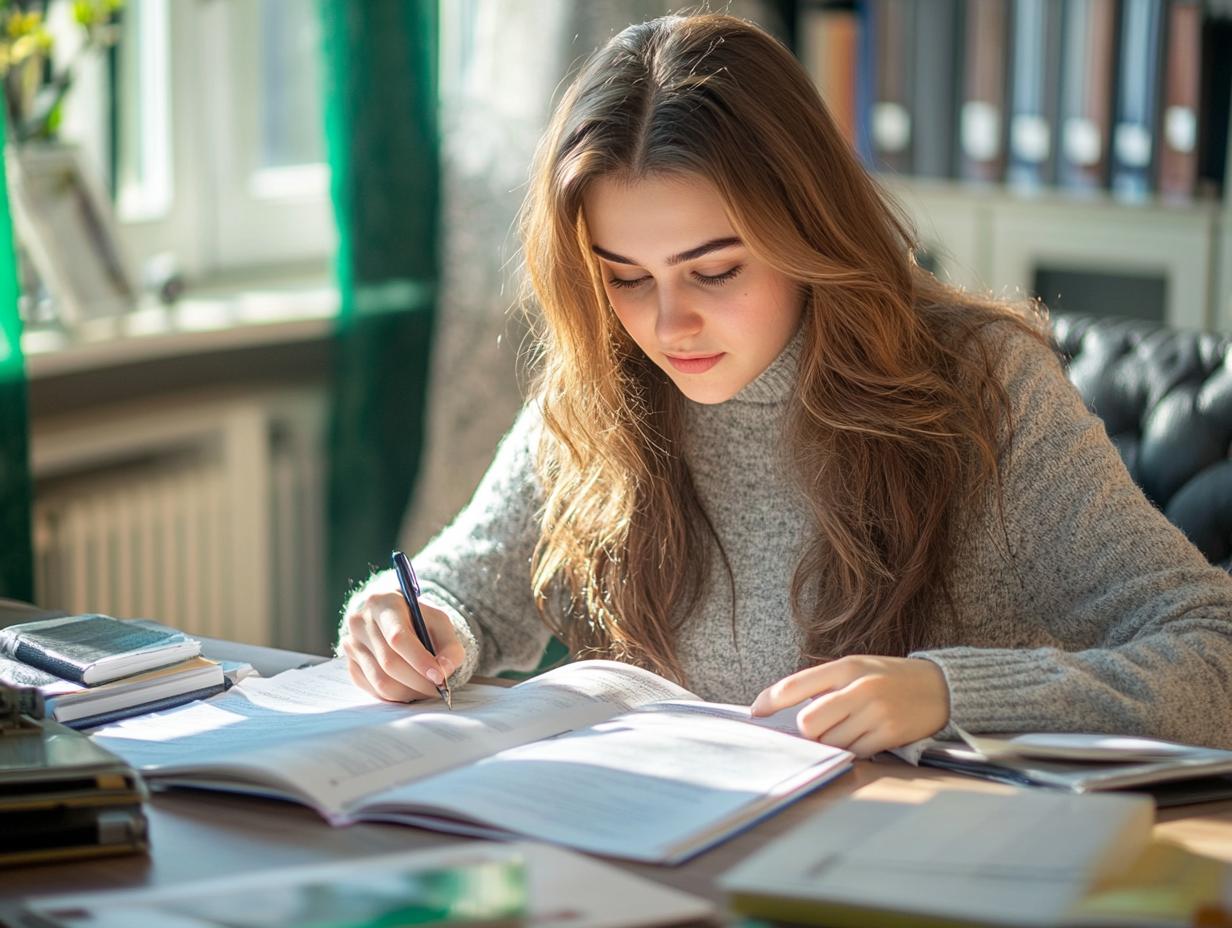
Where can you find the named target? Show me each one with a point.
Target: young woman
(769, 456)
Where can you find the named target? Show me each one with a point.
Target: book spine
(1133, 140)
(158, 705)
(891, 113)
(32, 654)
(1087, 68)
(830, 36)
(1215, 96)
(866, 81)
(1178, 150)
(1033, 117)
(982, 122)
(935, 91)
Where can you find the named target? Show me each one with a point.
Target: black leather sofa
(1165, 397)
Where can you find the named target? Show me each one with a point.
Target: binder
(891, 125)
(1088, 52)
(1214, 93)
(829, 47)
(935, 92)
(1036, 52)
(982, 123)
(1137, 105)
(1178, 137)
(61, 795)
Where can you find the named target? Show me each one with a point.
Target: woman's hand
(864, 704)
(385, 658)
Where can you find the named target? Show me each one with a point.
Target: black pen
(410, 592)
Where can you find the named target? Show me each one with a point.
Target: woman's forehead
(648, 219)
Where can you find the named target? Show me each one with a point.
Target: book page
(641, 786)
(314, 735)
(784, 720)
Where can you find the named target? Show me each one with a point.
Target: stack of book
(1126, 95)
(61, 795)
(94, 669)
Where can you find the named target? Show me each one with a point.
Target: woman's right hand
(383, 654)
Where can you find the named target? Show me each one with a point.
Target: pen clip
(406, 574)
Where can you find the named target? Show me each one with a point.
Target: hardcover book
(93, 649)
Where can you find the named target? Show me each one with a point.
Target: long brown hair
(897, 409)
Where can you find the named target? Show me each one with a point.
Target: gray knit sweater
(1099, 616)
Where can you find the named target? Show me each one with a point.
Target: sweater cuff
(995, 689)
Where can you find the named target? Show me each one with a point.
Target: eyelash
(716, 281)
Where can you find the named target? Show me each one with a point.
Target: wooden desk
(198, 834)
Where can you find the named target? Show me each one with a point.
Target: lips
(698, 364)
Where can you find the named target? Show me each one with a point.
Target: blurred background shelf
(1072, 150)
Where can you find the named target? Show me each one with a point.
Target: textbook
(596, 755)
(465, 884)
(1175, 774)
(1029, 858)
(86, 706)
(93, 649)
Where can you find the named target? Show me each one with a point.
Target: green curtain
(382, 140)
(16, 554)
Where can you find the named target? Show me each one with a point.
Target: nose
(677, 321)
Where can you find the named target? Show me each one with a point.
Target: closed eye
(621, 284)
(707, 280)
(718, 280)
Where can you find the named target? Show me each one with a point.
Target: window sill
(209, 319)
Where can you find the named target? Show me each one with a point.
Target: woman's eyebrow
(703, 249)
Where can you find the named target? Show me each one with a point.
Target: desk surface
(197, 834)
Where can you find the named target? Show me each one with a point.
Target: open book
(596, 755)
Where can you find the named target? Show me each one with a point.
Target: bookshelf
(1089, 237)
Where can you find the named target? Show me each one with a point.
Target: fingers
(449, 651)
(825, 714)
(397, 642)
(804, 684)
(366, 672)
(384, 655)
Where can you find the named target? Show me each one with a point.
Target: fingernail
(446, 665)
(435, 676)
(757, 703)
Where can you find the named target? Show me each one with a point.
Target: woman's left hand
(864, 704)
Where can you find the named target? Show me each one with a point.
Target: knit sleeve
(477, 569)
(1141, 621)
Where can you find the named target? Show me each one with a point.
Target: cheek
(631, 318)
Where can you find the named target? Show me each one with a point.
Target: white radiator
(203, 512)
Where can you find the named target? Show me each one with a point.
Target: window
(219, 161)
